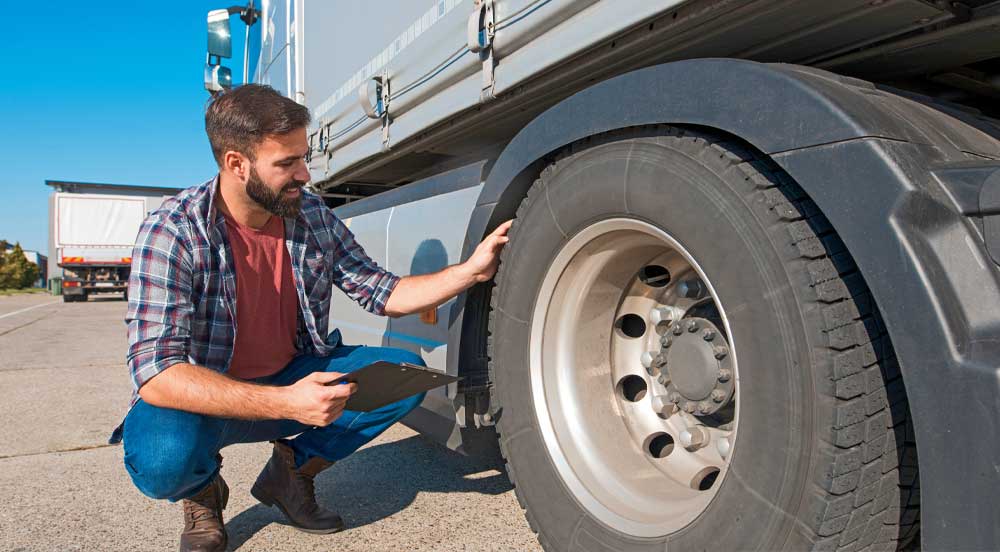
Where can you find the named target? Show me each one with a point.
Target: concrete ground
(63, 388)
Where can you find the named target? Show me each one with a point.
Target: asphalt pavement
(64, 386)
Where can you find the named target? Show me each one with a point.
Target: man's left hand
(483, 263)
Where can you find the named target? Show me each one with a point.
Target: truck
(92, 231)
(750, 299)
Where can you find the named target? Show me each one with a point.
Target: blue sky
(106, 91)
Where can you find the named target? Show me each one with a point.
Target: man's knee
(170, 467)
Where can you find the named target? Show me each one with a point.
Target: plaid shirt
(182, 288)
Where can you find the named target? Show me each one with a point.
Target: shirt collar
(214, 215)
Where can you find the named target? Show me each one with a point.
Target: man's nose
(302, 172)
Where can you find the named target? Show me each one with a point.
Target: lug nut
(692, 326)
(675, 398)
(666, 342)
(689, 289)
(720, 352)
(678, 330)
(646, 359)
(660, 360)
(708, 335)
(660, 315)
(725, 375)
(693, 437)
(662, 379)
(661, 405)
(718, 395)
(723, 446)
(689, 407)
(704, 407)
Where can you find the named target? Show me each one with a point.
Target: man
(227, 324)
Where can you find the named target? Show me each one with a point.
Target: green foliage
(16, 271)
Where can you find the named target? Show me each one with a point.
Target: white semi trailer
(92, 228)
(751, 296)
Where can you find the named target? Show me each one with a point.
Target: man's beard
(275, 203)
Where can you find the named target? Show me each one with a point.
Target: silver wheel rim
(585, 356)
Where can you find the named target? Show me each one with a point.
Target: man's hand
(482, 265)
(313, 403)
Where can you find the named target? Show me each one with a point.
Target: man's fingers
(502, 229)
(325, 377)
(342, 391)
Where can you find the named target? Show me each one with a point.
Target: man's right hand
(313, 403)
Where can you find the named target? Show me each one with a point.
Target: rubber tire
(70, 298)
(825, 457)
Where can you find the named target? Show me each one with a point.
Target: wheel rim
(604, 321)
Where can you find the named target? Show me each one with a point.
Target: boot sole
(268, 501)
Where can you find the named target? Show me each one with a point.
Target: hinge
(480, 33)
(373, 96)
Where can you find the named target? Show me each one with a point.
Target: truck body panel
(404, 240)
(564, 46)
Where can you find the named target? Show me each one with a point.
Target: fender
(884, 169)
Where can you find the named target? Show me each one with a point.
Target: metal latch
(480, 32)
(373, 95)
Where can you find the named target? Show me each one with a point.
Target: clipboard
(381, 383)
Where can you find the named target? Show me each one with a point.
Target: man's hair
(240, 119)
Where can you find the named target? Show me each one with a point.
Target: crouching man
(228, 325)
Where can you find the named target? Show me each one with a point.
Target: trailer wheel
(684, 353)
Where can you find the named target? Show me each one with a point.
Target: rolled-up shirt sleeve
(160, 306)
(355, 273)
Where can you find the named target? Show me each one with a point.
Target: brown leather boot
(204, 530)
(293, 491)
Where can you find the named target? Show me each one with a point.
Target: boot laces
(200, 514)
(308, 485)
(201, 508)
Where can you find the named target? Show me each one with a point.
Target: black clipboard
(381, 383)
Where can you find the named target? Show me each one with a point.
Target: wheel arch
(865, 156)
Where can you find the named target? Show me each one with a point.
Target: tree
(17, 271)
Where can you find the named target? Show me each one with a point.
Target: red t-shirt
(266, 301)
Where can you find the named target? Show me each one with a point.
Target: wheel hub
(697, 371)
(603, 377)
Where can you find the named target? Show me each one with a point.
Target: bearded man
(228, 325)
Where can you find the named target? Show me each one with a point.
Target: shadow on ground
(379, 481)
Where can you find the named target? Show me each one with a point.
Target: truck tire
(683, 353)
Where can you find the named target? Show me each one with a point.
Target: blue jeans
(172, 454)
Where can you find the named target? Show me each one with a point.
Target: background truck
(92, 230)
(751, 295)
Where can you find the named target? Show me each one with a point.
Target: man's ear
(237, 164)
